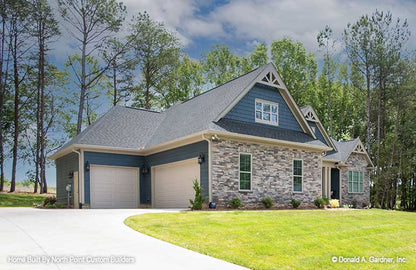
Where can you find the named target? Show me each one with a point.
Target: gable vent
(359, 149)
(270, 78)
(310, 117)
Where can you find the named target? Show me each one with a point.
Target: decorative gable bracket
(359, 149)
(310, 116)
(270, 79)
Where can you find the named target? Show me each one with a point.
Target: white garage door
(172, 183)
(114, 187)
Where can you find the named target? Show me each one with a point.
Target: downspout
(80, 177)
(209, 168)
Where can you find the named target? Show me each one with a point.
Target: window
(355, 182)
(313, 129)
(267, 112)
(297, 175)
(245, 172)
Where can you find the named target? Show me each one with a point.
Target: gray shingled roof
(265, 131)
(134, 128)
(120, 127)
(198, 113)
(344, 149)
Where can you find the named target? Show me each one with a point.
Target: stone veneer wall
(356, 162)
(271, 173)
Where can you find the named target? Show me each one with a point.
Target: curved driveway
(74, 237)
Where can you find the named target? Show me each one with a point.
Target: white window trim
(265, 121)
(251, 171)
(293, 175)
(358, 181)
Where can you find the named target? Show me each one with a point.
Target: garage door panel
(173, 184)
(114, 187)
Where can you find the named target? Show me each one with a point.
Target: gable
(244, 110)
(318, 133)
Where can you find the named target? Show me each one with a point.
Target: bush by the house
(267, 202)
(321, 202)
(235, 203)
(334, 203)
(295, 203)
(354, 204)
(196, 203)
(51, 200)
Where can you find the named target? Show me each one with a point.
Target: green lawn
(300, 239)
(20, 199)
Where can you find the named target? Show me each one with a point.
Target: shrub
(334, 203)
(364, 205)
(60, 205)
(295, 203)
(267, 202)
(27, 183)
(319, 202)
(326, 200)
(235, 203)
(196, 203)
(354, 204)
(51, 200)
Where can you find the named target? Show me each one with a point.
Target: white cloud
(302, 20)
(251, 21)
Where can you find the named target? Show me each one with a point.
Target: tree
(183, 83)
(297, 68)
(3, 76)
(157, 52)
(120, 71)
(92, 22)
(259, 55)
(18, 25)
(45, 31)
(221, 65)
(388, 38)
(326, 42)
(357, 38)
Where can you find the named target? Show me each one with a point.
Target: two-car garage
(118, 187)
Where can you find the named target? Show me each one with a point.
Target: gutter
(80, 176)
(209, 167)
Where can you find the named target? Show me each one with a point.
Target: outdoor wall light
(145, 170)
(87, 166)
(201, 158)
(71, 175)
(212, 205)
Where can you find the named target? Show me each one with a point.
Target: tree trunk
(83, 78)
(16, 113)
(115, 94)
(2, 90)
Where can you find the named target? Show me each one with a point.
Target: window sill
(245, 191)
(355, 192)
(298, 192)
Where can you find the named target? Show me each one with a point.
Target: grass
(297, 239)
(20, 199)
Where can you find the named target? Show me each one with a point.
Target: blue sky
(242, 24)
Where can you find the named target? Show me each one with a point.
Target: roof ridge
(139, 109)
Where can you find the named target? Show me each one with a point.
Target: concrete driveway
(88, 239)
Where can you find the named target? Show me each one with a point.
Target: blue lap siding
(178, 154)
(244, 110)
(318, 133)
(181, 153)
(98, 158)
(64, 166)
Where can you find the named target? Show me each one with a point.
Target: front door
(334, 183)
